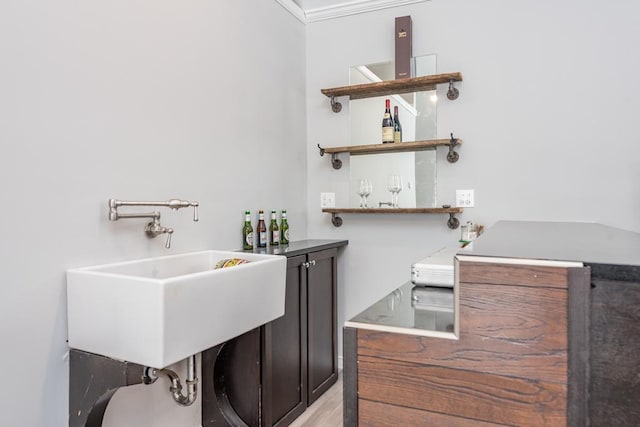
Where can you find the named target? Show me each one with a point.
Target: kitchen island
(546, 329)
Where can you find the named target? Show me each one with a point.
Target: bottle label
(286, 234)
(263, 237)
(276, 236)
(249, 239)
(387, 134)
(397, 136)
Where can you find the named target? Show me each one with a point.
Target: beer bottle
(284, 229)
(262, 231)
(247, 232)
(274, 231)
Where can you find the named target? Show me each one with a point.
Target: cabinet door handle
(309, 264)
(313, 262)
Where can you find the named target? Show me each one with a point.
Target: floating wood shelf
(452, 142)
(389, 87)
(452, 223)
(391, 147)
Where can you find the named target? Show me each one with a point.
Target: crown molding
(353, 7)
(293, 9)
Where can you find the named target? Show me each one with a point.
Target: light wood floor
(324, 412)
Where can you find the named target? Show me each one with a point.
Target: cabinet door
(285, 352)
(322, 322)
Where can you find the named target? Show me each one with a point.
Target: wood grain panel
(461, 393)
(504, 330)
(501, 317)
(376, 414)
(506, 274)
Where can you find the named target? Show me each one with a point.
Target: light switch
(327, 200)
(465, 199)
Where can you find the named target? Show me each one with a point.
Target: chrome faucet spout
(153, 228)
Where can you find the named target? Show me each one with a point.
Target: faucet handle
(195, 211)
(169, 232)
(176, 204)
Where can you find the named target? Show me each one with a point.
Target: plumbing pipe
(151, 375)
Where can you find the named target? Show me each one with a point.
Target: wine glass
(398, 190)
(394, 184)
(364, 190)
(369, 189)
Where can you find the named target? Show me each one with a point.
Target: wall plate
(327, 200)
(465, 199)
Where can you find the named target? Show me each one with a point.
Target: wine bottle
(397, 129)
(284, 229)
(262, 231)
(247, 232)
(387, 123)
(274, 231)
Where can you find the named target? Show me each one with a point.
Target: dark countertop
(300, 247)
(611, 253)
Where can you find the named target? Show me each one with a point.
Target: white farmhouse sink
(158, 311)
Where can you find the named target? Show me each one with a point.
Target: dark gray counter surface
(559, 241)
(610, 252)
(300, 247)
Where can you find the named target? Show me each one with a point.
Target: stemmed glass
(364, 190)
(394, 185)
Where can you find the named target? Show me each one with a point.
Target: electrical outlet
(327, 200)
(464, 199)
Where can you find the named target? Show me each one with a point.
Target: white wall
(548, 112)
(135, 100)
(140, 100)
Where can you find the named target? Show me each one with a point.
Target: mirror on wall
(417, 115)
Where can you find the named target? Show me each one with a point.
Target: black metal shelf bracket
(452, 155)
(335, 161)
(452, 93)
(336, 107)
(452, 222)
(336, 220)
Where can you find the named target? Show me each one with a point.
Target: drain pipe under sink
(151, 375)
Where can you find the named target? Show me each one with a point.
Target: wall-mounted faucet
(153, 228)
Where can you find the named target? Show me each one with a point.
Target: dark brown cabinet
(268, 376)
(285, 352)
(322, 371)
(300, 353)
